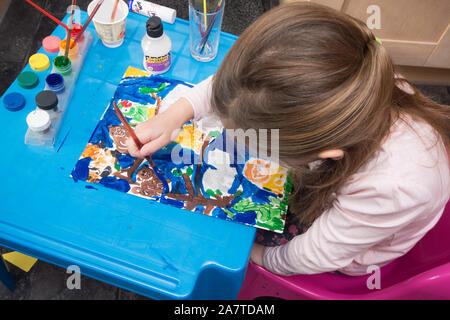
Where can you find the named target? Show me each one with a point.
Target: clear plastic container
(40, 130)
(68, 70)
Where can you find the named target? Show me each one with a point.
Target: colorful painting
(195, 172)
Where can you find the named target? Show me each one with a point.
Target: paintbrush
(69, 33)
(208, 30)
(206, 20)
(114, 10)
(131, 132)
(87, 22)
(48, 15)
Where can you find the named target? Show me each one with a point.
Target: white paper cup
(111, 33)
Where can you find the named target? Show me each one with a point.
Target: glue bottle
(157, 47)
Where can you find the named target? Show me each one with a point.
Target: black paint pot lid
(46, 100)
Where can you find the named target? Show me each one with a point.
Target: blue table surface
(155, 250)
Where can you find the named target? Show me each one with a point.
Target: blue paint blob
(81, 170)
(101, 132)
(199, 209)
(90, 187)
(128, 88)
(172, 202)
(115, 183)
(126, 161)
(219, 213)
(247, 217)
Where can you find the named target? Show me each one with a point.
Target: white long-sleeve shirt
(381, 212)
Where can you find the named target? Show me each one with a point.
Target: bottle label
(157, 64)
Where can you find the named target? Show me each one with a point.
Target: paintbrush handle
(205, 36)
(69, 34)
(88, 21)
(48, 15)
(130, 131)
(113, 15)
(127, 126)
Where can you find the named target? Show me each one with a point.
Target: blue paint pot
(55, 82)
(14, 101)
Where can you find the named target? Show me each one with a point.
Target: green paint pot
(62, 65)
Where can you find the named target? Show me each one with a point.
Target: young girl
(368, 151)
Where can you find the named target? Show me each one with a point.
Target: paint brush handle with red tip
(48, 15)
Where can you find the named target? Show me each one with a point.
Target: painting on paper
(195, 172)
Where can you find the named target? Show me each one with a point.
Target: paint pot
(75, 31)
(62, 66)
(55, 83)
(14, 101)
(47, 100)
(28, 80)
(39, 62)
(51, 44)
(111, 32)
(39, 121)
(73, 52)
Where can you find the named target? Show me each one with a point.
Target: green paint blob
(62, 65)
(238, 193)
(229, 213)
(177, 173)
(61, 62)
(214, 134)
(147, 90)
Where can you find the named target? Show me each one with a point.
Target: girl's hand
(256, 255)
(160, 130)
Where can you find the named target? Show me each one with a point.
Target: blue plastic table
(143, 246)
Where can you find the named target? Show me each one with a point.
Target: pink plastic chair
(423, 273)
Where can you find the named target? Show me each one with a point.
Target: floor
(22, 29)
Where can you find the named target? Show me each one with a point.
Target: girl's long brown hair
(321, 78)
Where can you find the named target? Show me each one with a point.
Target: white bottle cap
(38, 120)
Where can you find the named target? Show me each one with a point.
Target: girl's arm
(367, 214)
(200, 97)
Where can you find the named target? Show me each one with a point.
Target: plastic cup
(204, 28)
(111, 33)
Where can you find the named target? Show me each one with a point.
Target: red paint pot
(76, 30)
